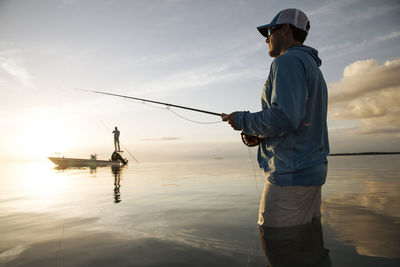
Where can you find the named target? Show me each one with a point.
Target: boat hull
(72, 162)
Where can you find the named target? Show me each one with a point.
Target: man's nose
(267, 40)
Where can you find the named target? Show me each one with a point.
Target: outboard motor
(117, 157)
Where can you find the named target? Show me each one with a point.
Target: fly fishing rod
(247, 139)
(150, 101)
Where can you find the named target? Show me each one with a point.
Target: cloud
(190, 79)
(329, 7)
(370, 94)
(12, 65)
(195, 70)
(365, 9)
(347, 48)
(386, 37)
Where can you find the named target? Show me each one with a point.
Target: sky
(201, 54)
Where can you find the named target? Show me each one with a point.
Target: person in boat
(292, 124)
(116, 139)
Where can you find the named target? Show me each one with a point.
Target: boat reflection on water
(92, 169)
(301, 245)
(116, 170)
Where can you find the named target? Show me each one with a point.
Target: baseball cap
(291, 16)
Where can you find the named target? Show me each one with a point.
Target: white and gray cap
(291, 16)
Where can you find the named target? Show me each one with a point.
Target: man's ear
(286, 29)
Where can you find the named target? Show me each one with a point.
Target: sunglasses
(272, 29)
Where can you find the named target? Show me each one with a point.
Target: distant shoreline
(364, 153)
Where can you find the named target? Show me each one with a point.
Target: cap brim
(263, 29)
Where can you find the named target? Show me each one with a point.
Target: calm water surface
(192, 213)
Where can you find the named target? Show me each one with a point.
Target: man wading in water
(292, 125)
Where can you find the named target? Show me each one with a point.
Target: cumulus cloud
(369, 93)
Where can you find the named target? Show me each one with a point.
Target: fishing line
(255, 257)
(199, 122)
(253, 163)
(173, 112)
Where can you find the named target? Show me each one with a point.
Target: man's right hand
(230, 119)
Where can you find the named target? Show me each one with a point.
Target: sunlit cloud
(369, 93)
(13, 66)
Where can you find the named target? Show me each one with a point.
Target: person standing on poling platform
(292, 125)
(116, 139)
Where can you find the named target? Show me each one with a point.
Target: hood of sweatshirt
(309, 50)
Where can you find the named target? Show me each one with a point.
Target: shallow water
(192, 213)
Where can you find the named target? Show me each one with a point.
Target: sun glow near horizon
(40, 135)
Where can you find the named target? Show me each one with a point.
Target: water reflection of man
(117, 183)
(116, 139)
(301, 245)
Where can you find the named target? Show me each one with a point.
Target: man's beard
(276, 49)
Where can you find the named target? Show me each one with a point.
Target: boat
(92, 162)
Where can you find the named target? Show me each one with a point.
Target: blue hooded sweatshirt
(292, 123)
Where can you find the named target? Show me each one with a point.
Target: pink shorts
(284, 206)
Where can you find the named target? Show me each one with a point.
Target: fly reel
(250, 140)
